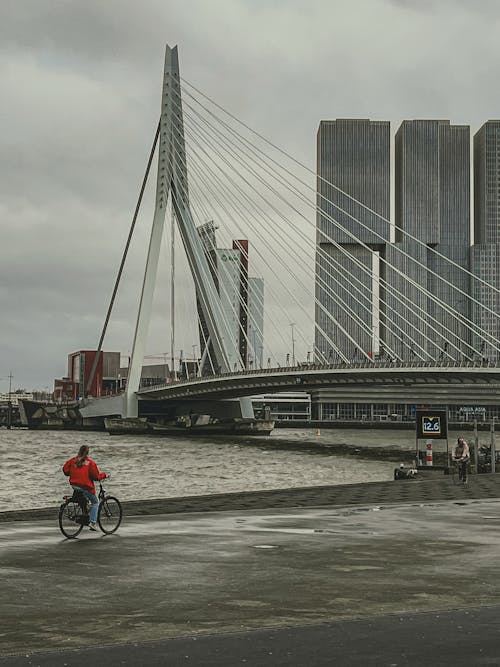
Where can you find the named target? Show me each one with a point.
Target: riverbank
(430, 486)
(149, 468)
(386, 424)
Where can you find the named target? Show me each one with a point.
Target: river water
(154, 467)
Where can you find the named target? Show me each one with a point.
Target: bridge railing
(449, 363)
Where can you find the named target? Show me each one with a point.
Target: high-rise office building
(353, 202)
(432, 213)
(485, 253)
(242, 302)
(255, 322)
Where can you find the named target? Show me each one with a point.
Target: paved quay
(430, 486)
(214, 576)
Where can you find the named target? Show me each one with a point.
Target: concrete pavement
(191, 575)
(458, 638)
(289, 578)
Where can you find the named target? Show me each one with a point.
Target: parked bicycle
(74, 513)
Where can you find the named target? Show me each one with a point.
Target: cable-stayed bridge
(423, 382)
(387, 325)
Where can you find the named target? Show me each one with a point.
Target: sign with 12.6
(431, 424)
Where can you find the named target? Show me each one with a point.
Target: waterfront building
(485, 253)
(232, 274)
(151, 375)
(353, 186)
(242, 301)
(283, 406)
(390, 411)
(255, 322)
(432, 206)
(14, 397)
(106, 376)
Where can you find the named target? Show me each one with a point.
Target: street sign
(431, 424)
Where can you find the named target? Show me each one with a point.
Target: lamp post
(9, 404)
(165, 374)
(195, 360)
(254, 348)
(292, 324)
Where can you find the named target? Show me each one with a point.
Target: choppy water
(145, 467)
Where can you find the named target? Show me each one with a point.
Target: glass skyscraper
(353, 163)
(432, 215)
(485, 253)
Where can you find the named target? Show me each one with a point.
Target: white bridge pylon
(172, 180)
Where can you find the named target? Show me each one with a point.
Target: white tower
(172, 179)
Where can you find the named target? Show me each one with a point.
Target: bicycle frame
(109, 513)
(461, 469)
(83, 501)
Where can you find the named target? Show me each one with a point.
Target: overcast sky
(80, 89)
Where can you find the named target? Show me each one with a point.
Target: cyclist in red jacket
(82, 472)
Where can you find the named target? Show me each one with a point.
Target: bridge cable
(199, 292)
(365, 324)
(365, 288)
(394, 246)
(326, 181)
(447, 307)
(194, 170)
(242, 303)
(207, 168)
(329, 259)
(217, 269)
(122, 263)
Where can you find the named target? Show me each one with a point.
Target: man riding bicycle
(461, 456)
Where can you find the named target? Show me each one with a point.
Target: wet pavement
(458, 638)
(428, 487)
(195, 574)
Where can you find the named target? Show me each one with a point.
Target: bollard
(476, 448)
(428, 453)
(492, 445)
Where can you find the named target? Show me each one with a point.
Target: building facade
(255, 322)
(105, 380)
(432, 215)
(242, 301)
(485, 253)
(352, 229)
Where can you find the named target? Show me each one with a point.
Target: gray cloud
(80, 88)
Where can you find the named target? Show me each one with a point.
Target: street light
(9, 404)
(195, 359)
(292, 324)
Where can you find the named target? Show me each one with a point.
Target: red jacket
(84, 476)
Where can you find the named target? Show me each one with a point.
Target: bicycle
(74, 513)
(460, 471)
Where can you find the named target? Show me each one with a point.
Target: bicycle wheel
(71, 518)
(110, 515)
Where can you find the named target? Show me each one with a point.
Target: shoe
(93, 526)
